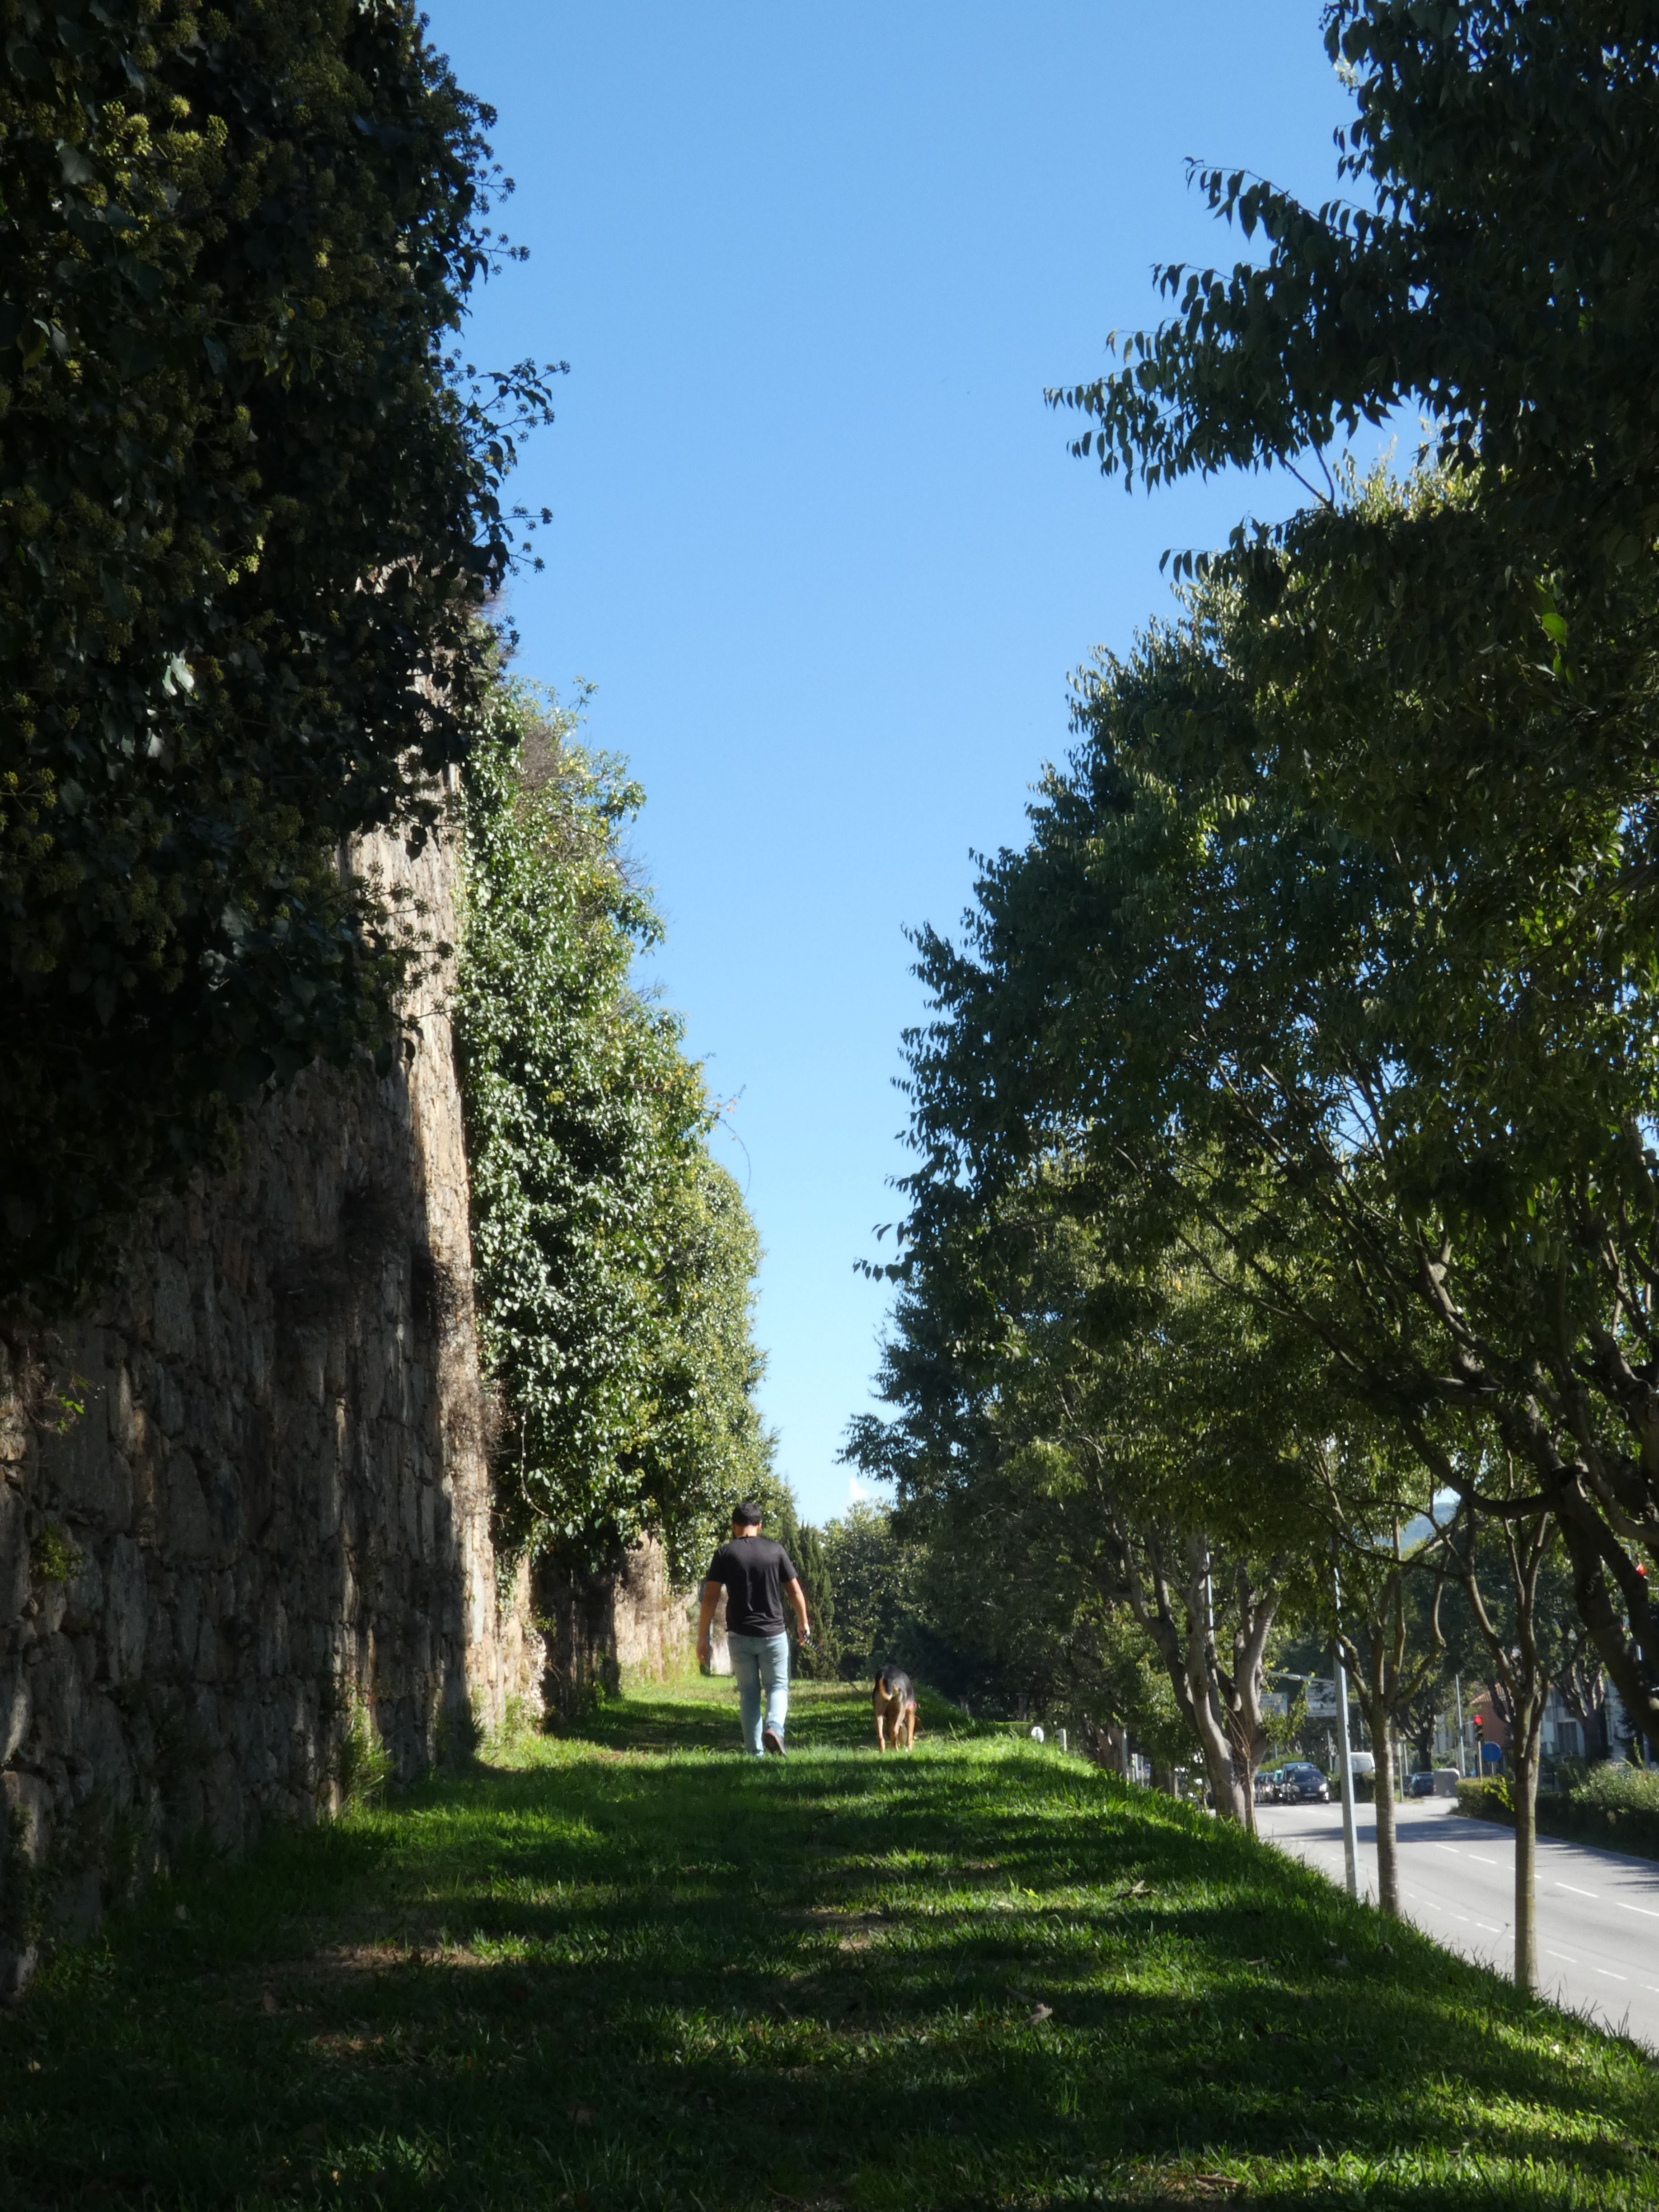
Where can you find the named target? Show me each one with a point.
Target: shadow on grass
(700, 1713)
(983, 1976)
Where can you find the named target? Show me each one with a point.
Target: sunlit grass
(627, 1968)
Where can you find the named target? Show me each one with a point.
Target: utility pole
(1350, 1853)
(1457, 1684)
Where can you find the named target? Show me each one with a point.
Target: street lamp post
(1350, 1852)
(1457, 1683)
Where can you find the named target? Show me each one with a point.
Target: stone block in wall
(14, 1553)
(15, 1435)
(17, 1707)
(184, 1536)
(26, 1801)
(126, 1609)
(55, 1697)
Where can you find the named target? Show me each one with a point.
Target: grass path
(627, 1969)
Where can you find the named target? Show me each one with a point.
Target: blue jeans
(761, 1662)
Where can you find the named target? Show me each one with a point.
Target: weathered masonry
(266, 1531)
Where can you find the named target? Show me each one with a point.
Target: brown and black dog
(894, 1703)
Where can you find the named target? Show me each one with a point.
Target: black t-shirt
(753, 1570)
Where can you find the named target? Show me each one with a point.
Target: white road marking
(1480, 1861)
(1452, 1847)
(1486, 1930)
(1645, 1909)
(1577, 1891)
(1609, 1975)
(1567, 1955)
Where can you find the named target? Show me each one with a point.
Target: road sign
(1322, 1698)
(1490, 1754)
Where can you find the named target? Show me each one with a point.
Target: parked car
(1301, 1783)
(1420, 1785)
(1266, 1784)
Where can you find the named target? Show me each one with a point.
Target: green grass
(627, 1968)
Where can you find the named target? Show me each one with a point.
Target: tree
(874, 1571)
(249, 518)
(1496, 269)
(811, 1557)
(1486, 720)
(1416, 1126)
(1370, 1591)
(1102, 1401)
(1518, 1597)
(615, 1261)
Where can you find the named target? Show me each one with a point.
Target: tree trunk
(1388, 1852)
(1242, 1696)
(1221, 1764)
(1209, 1718)
(1523, 1749)
(1374, 1707)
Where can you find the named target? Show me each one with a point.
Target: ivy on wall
(614, 1259)
(249, 509)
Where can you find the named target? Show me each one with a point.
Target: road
(1598, 1912)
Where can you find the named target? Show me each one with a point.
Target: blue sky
(817, 539)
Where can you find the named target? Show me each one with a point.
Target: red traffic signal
(1480, 1725)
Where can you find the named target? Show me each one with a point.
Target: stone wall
(266, 1530)
(595, 1628)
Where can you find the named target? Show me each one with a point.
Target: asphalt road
(1598, 1912)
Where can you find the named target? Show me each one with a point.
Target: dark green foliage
(639, 1972)
(806, 1547)
(1499, 267)
(1486, 1800)
(1613, 1810)
(876, 1576)
(247, 521)
(614, 1260)
(1330, 974)
(1398, 1106)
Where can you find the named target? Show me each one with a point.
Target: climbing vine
(250, 506)
(614, 1258)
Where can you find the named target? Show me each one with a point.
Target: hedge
(1583, 1816)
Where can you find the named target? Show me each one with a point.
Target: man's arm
(711, 1598)
(798, 1599)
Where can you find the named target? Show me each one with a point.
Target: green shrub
(1619, 1790)
(54, 1556)
(1614, 1807)
(1486, 1800)
(365, 1765)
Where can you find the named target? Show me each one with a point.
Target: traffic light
(1480, 1728)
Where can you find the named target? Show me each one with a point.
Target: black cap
(745, 1514)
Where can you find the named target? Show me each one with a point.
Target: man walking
(754, 1572)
